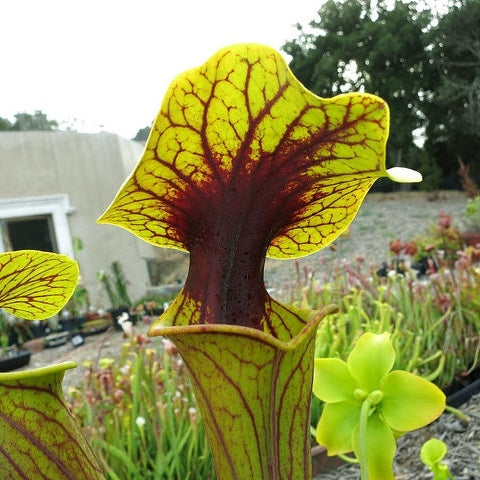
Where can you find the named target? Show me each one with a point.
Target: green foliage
(397, 51)
(434, 322)
(27, 122)
(431, 171)
(115, 285)
(142, 134)
(453, 129)
(140, 416)
(440, 243)
(471, 215)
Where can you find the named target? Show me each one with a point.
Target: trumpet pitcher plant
(243, 162)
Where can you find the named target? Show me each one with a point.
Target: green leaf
(332, 381)
(371, 359)
(409, 401)
(35, 285)
(39, 438)
(337, 424)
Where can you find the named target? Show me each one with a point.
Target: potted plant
(11, 357)
(471, 222)
(73, 316)
(116, 287)
(96, 322)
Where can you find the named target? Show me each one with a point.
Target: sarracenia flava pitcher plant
(243, 162)
(38, 436)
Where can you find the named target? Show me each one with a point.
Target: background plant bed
(471, 238)
(96, 326)
(35, 345)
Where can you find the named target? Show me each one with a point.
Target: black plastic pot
(71, 324)
(13, 359)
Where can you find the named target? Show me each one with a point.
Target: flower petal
(381, 448)
(332, 381)
(337, 422)
(371, 359)
(409, 401)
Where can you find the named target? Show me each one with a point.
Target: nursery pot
(12, 359)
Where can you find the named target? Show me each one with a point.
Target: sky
(105, 65)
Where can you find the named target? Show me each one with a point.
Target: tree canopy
(426, 66)
(26, 121)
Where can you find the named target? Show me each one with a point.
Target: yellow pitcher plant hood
(243, 162)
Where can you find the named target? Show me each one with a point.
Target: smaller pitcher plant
(432, 453)
(39, 438)
(368, 405)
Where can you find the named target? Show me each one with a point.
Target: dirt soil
(382, 217)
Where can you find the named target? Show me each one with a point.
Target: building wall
(88, 169)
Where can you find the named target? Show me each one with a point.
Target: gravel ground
(107, 344)
(381, 218)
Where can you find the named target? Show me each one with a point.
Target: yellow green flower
(368, 405)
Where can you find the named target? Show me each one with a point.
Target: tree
(142, 134)
(5, 124)
(380, 50)
(26, 121)
(453, 129)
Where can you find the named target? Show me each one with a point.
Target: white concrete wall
(89, 169)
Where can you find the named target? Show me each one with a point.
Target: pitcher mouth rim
(172, 331)
(37, 372)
